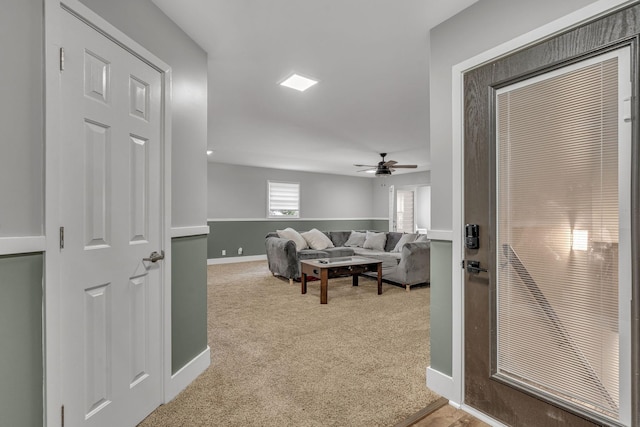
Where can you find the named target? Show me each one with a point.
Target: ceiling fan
(384, 168)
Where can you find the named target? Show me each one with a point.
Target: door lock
(155, 256)
(473, 267)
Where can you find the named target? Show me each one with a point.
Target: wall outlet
(239, 251)
(224, 252)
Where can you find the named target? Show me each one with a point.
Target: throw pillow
(422, 238)
(317, 240)
(291, 234)
(375, 241)
(356, 239)
(406, 238)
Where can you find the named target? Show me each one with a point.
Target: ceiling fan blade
(366, 170)
(390, 163)
(366, 166)
(406, 166)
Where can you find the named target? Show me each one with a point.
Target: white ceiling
(370, 56)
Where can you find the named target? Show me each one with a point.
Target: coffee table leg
(380, 279)
(324, 279)
(303, 283)
(355, 279)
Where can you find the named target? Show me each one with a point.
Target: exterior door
(111, 211)
(560, 232)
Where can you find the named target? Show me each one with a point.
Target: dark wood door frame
(621, 28)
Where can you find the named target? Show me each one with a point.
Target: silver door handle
(155, 256)
(474, 267)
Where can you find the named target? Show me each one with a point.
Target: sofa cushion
(291, 234)
(422, 238)
(375, 241)
(339, 252)
(406, 238)
(392, 240)
(339, 238)
(311, 254)
(316, 239)
(356, 239)
(389, 259)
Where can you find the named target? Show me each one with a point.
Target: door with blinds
(548, 284)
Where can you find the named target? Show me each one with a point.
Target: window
(284, 199)
(404, 211)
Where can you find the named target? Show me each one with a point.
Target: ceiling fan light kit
(384, 168)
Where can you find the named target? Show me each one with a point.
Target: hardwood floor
(441, 414)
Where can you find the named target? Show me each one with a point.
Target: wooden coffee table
(328, 268)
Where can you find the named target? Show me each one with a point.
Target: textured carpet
(279, 358)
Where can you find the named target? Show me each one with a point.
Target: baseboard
(440, 383)
(231, 260)
(187, 374)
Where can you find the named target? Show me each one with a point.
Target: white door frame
(454, 386)
(51, 315)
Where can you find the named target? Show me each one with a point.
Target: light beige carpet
(280, 358)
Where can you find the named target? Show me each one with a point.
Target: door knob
(474, 267)
(155, 256)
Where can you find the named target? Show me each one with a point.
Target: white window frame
(269, 199)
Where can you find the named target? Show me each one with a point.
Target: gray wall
(327, 202)
(188, 299)
(21, 120)
(21, 363)
(21, 212)
(241, 192)
(249, 235)
(423, 216)
(480, 27)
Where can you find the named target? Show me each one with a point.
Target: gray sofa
(410, 266)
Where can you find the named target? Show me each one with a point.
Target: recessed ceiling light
(298, 82)
(209, 152)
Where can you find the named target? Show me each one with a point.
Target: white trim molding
(185, 376)
(440, 383)
(445, 235)
(232, 260)
(572, 20)
(22, 245)
(196, 230)
(292, 219)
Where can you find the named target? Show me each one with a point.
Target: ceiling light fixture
(297, 82)
(209, 152)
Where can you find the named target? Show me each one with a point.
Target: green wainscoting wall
(250, 235)
(441, 305)
(188, 299)
(21, 358)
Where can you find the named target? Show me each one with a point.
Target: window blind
(405, 212)
(557, 252)
(284, 199)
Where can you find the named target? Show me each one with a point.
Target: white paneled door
(110, 187)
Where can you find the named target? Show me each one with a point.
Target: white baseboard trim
(185, 376)
(197, 230)
(440, 383)
(292, 219)
(231, 260)
(22, 245)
